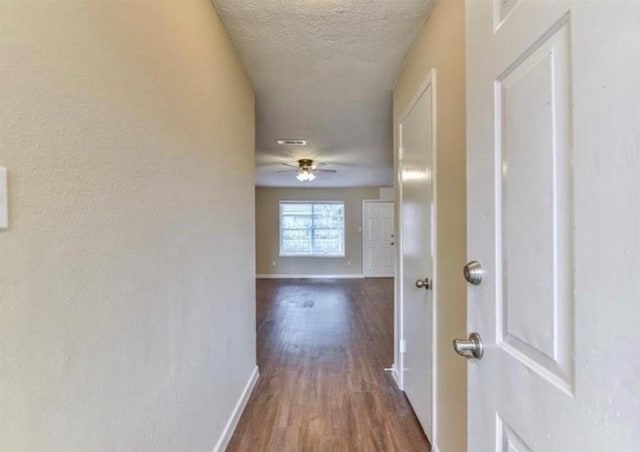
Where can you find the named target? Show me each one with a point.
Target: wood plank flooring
(322, 348)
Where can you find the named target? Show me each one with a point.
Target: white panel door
(554, 218)
(416, 169)
(378, 239)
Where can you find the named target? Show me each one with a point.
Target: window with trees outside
(313, 229)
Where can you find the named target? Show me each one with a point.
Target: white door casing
(554, 218)
(417, 209)
(378, 239)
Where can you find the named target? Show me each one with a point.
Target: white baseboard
(227, 433)
(396, 376)
(303, 276)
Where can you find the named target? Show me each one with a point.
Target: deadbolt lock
(473, 273)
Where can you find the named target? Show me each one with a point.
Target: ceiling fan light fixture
(305, 175)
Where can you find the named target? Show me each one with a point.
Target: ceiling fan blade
(287, 171)
(292, 166)
(327, 171)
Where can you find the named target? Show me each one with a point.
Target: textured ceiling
(323, 71)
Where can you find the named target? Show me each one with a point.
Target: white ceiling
(323, 71)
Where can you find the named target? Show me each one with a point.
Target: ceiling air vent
(292, 142)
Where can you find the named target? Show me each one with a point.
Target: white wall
(441, 46)
(127, 298)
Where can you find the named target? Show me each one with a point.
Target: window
(312, 229)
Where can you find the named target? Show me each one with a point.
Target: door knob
(473, 273)
(424, 284)
(471, 348)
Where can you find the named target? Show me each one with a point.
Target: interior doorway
(378, 239)
(418, 269)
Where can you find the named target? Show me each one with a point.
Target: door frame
(395, 257)
(398, 368)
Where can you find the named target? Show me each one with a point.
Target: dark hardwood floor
(322, 349)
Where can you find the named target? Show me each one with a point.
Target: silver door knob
(424, 284)
(473, 273)
(471, 348)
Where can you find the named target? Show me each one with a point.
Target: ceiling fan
(306, 169)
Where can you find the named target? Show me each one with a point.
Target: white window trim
(312, 256)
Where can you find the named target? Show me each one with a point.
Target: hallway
(322, 348)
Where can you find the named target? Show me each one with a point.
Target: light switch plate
(4, 200)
